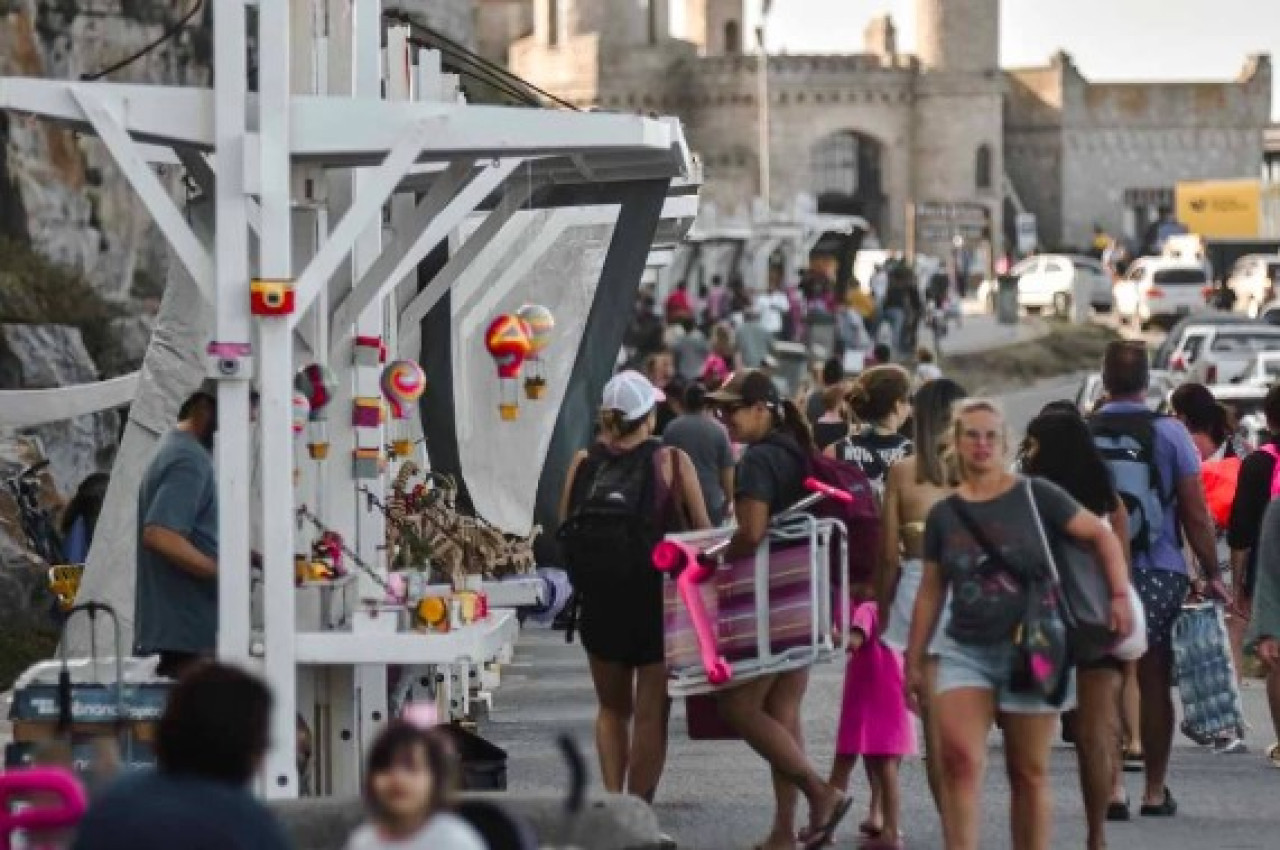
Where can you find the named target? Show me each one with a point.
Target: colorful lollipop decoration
(508, 343)
(317, 384)
(403, 383)
(539, 324)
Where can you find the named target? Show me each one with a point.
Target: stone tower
(717, 27)
(958, 35)
(610, 53)
(958, 152)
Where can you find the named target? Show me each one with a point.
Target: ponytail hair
(614, 426)
(795, 424)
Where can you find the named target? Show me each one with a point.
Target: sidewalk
(979, 331)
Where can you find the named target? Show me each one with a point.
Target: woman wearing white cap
(620, 497)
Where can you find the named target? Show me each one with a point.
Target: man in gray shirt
(707, 444)
(176, 603)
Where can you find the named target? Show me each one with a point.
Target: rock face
(47, 356)
(66, 195)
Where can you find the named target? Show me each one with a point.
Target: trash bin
(1007, 300)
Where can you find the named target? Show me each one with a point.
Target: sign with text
(1220, 208)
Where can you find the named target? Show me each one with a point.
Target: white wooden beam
(191, 253)
(366, 210)
(427, 230)
(513, 199)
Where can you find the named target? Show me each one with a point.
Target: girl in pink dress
(874, 724)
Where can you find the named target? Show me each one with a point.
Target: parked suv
(1157, 289)
(1253, 280)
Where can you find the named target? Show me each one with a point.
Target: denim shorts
(987, 667)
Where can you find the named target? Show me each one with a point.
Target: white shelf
(477, 643)
(516, 592)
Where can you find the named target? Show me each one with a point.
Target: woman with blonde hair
(608, 554)
(985, 552)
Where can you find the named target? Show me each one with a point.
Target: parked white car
(1212, 354)
(1156, 289)
(1051, 281)
(1252, 279)
(1048, 283)
(1263, 369)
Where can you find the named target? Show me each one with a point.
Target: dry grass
(1066, 349)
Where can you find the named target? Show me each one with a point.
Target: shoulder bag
(1085, 593)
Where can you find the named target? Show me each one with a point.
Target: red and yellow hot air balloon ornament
(539, 324)
(508, 344)
(403, 383)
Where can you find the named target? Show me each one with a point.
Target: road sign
(1025, 225)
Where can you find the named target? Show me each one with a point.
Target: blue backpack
(1127, 442)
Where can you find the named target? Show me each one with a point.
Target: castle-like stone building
(875, 132)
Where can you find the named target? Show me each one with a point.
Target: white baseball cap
(631, 394)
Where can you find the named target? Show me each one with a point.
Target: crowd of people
(723, 328)
(975, 524)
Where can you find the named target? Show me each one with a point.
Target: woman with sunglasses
(1059, 448)
(914, 486)
(766, 711)
(982, 547)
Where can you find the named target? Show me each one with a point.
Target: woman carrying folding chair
(765, 711)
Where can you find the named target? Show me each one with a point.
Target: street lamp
(762, 85)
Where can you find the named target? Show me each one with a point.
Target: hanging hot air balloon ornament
(301, 412)
(539, 324)
(403, 383)
(317, 384)
(508, 344)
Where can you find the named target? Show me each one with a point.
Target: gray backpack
(1127, 442)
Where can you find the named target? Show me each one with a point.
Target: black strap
(980, 537)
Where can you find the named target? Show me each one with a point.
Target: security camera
(228, 367)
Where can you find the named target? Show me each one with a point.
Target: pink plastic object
(670, 555)
(816, 486)
(17, 785)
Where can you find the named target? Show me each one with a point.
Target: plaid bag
(730, 600)
(1206, 674)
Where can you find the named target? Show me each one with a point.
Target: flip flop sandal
(1118, 812)
(869, 829)
(1133, 762)
(823, 834)
(1166, 809)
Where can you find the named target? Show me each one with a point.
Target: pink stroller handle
(670, 555)
(39, 781)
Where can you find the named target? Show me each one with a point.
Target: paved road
(716, 795)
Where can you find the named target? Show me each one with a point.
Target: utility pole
(762, 85)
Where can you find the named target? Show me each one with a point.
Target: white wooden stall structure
(350, 128)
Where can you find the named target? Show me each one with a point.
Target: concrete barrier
(612, 822)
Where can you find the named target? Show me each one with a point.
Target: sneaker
(1230, 745)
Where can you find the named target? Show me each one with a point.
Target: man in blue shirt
(176, 603)
(1160, 573)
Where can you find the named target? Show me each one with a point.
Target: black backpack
(610, 533)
